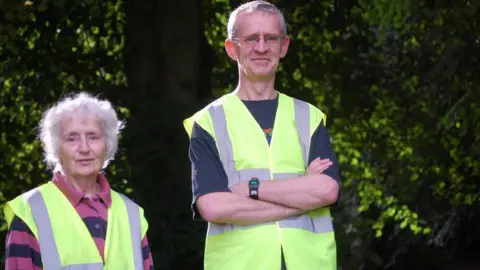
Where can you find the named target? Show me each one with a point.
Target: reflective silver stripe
(246, 174)
(285, 176)
(86, 266)
(311, 224)
(224, 144)
(48, 248)
(133, 212)
(44, 227)
(302, 121)
(215, 228)
(218, 228)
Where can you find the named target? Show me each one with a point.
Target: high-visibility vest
(308, 241)
(66, 243)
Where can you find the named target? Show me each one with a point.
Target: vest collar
(74, 196)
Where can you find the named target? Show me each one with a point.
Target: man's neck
(256, 90)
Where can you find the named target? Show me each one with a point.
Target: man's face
(258, 44)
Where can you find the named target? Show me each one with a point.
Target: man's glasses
(250, 41)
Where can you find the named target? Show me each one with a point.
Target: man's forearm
(305, 192)
(229, 208)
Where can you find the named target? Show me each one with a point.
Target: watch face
(254, 181)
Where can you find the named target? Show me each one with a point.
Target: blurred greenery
(399, 81)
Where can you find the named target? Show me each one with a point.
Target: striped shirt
(23, 249)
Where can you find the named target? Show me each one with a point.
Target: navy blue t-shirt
(208, 175)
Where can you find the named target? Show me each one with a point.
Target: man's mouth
(261, 60)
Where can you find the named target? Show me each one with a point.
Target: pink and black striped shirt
(23, 249)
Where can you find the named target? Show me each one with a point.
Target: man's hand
(318, 166)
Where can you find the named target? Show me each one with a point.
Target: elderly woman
(75, 221)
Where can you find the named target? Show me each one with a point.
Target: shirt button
(97, 226)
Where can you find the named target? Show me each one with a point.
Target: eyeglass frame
(280, 39)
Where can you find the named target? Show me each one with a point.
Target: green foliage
(50, 49)
(224, 74)
(398, 80)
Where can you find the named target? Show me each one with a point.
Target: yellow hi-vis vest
(66, 243)
(308, 241)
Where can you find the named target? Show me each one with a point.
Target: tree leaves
(49, 49)
(398, 80)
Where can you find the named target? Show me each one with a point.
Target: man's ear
(231, 50)
(285, 43)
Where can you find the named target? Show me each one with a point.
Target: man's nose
(261, 45)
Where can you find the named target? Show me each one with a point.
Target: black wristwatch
(253, 188)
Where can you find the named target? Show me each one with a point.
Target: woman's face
(82, 148)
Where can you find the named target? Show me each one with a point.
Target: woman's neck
(87, 184)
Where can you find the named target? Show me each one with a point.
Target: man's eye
(272, 38)
(251, 39)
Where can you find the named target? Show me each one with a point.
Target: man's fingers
(319, 161)
(320, 168)
(324, 162)
(324, 167)
(318, 165)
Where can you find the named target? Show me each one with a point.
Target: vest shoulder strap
(137, 223)
(316, 115)
(20, 207)
(132, 207)
(202, 117)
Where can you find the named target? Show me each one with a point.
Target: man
(263, 170)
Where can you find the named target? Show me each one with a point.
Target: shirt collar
(74, 196)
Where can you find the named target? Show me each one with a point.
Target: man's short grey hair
(252, 6)
(50, 125)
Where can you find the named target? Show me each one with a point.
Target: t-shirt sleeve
(321, 147)
(208, 175)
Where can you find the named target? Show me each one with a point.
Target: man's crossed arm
(277, 199)
(314, 190)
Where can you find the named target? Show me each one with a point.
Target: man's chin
(262, 76)
(266, 72)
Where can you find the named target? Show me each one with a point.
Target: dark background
(399, 81)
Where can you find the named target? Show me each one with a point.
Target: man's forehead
(258, 20)
(258, 14)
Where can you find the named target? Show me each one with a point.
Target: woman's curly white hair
(50, 125)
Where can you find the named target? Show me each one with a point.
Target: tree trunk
(168, 66)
